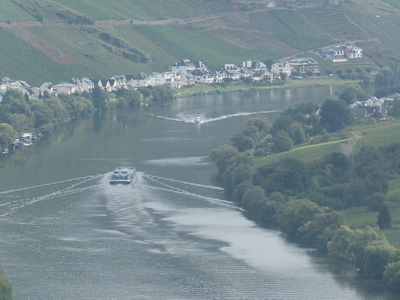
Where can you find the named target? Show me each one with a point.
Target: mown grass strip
(306, 153)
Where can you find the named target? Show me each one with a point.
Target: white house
(65, 88)
(281, 67)
(304, 65)
(170, 78)
(342, 53)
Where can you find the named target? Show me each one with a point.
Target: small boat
(123, 175)
(197, 120)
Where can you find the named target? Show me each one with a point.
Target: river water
(67, 234)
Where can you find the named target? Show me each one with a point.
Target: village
(187, 73)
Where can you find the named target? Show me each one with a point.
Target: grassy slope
(10, 12)
(14, 50)
(264, 34)
(144, 10)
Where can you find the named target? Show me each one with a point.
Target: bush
(5, 287)
(391, 277)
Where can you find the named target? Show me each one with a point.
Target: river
(67, 234)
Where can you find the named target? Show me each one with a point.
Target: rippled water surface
(67, 234)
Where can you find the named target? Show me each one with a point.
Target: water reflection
(67, 234)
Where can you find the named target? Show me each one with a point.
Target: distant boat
(123, 175)
(197, 120)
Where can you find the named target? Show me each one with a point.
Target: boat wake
(191, 117)
(22, 197)
(188, 189)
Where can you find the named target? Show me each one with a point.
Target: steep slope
(53, 40)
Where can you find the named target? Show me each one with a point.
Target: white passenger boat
(123, 175)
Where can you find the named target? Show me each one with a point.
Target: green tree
(391, 277)
(15, 103)
(339, 247)
(6, 135)
(352, 93)
(296, 214)
(296, 133)
(320, 230)
(60, 114)
(5, 287)
(99, 98)
(335, 115)
(222, 155)
(133, 97)
(252, 197)
(238, 170)
(376, 255)
(162, 94)
(242, 142)
(76, 106)
(282, 123)
(42, 114)
(384, 219)
(282, 142)
(19, 122)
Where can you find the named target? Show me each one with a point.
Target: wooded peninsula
(326, 179)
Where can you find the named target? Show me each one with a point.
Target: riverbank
(203, 89)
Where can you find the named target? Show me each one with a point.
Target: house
(187, 80)
(2, 93)
(232, 71)
(140, 80)
(368, 107)
(170, 78)
(305, 65)
(202, 76)
(341, 53)
(388, 100)
(65, 88)
(46, 88)
(19, 85)
(255, 65)
(184, 67)
(187, 66)
(218, 75)
(281, 67)
(97, 83)
(84, 84)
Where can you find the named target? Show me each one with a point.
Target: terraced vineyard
(335, 23)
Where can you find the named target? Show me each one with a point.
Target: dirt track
(348, 148)
(53, 52)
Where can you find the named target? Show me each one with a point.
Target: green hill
(54, 40)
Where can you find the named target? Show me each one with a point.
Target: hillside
(54, 40)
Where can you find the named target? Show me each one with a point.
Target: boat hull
(123, 175)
